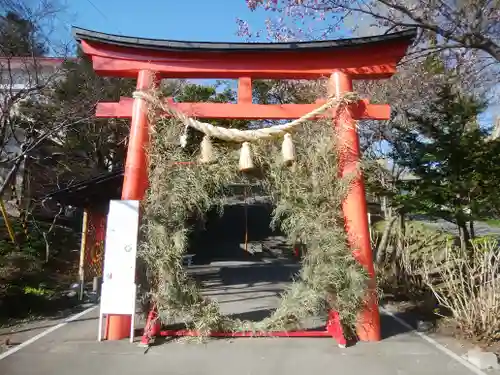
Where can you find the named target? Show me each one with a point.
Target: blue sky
(195, 20)
(200, 20)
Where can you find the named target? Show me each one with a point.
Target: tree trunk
(47, 247)
(398, 249)
(384, 241)
(401, 231)
(386, 209)
(464, 235)
(472, 231)
(11, 174)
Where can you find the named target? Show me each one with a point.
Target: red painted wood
(363, 110)
(364, 62)
(354, 206)
(152, 328)
(184, 332)
(334, 327)
(128, 69)
(374, 52)
(135, 177)
(245, 90)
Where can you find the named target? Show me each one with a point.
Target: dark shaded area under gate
(220, 237)
(246, 285)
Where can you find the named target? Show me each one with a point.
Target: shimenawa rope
(244, 136)
(236, 135)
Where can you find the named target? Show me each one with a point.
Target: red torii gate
(344, 60)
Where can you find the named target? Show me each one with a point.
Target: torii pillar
(354, 205)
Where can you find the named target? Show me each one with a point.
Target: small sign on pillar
(118, 296)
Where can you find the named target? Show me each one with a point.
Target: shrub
(467, 283)
(401, 272)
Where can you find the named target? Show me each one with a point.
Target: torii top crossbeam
(361, 58)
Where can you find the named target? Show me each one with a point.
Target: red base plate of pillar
(152, 328)
(186, 332)
(333, 329)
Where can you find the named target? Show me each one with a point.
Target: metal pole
(83, 245)
(7, 222)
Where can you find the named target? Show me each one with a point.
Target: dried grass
(467, 283)
(401, 271)
(437, 275)
(307, 198)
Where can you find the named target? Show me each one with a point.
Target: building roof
(17, 62)
(92, 192)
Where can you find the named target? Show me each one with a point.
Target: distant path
(480, 227)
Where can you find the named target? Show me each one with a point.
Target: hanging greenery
(302, 180)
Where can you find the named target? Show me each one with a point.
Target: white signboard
(120, 250)
(118, 295)
(118, 298)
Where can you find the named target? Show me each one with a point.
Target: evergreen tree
(456, 169)
(18, 37)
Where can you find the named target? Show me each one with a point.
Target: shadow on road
(390, 327)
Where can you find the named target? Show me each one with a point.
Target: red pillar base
(334, 327)
(152, 328)
(368, 327)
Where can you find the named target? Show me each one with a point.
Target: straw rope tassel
(246, 162)
(207, 152)
(288, 150)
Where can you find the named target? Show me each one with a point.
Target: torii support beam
(150, 60)
(244, 110)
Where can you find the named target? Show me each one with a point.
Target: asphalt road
(72, 348)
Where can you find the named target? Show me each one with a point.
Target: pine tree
(18, 37)
(457, 169)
